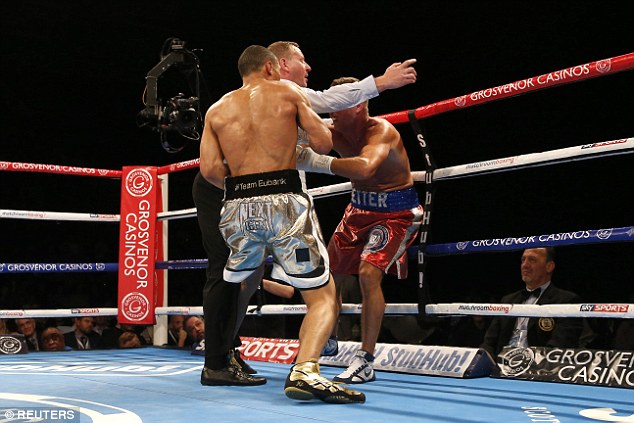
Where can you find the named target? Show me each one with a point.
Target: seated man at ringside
(537, 267)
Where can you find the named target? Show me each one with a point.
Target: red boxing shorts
(377, 227)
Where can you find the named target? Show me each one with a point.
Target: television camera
(178, 118)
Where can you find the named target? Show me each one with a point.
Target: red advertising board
(137, 245)
(269, 349)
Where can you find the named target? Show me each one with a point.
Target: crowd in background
(103, 332)
(80, 333)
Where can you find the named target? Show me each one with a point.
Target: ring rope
(582, 310)
(588, 310)
(58, 169)
(580, 237)
(557, 310)
(565, 76)
(562, 155)
(59, 216)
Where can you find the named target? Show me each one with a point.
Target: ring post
(160, 328)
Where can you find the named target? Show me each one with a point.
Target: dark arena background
(73, 78)
(72, 84)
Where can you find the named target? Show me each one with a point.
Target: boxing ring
(160, 384)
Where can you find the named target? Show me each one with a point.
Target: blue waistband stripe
(391, 201)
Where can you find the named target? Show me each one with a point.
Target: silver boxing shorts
(269, 214)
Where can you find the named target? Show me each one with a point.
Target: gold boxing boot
(305, 383)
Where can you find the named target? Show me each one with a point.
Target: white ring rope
(587, 310)
(59, 216)
(563, 155)
(621, 310)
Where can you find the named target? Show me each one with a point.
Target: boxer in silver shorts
(269, 214)
(248, 148)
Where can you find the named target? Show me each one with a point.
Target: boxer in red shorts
(376, 228)
(381, 221)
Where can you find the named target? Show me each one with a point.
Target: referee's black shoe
(231, 375)
(237, 359)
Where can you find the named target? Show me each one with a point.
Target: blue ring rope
(592, 236)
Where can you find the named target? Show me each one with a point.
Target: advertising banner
(137, 246)
(578, 366)
(13, 344)
(269, 349)
(419, 359)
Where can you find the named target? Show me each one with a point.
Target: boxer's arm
(363, 166)
(344, 96)
(309, 161)
(212, 165)
(319, 136)
(360, 167)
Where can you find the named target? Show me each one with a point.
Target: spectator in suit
(537, 267)
(53, 340)
(83, 337)
(176, 334)
(195, 328)
(27, 327)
